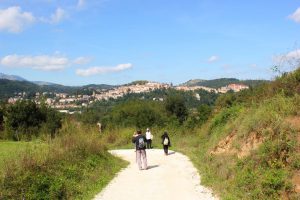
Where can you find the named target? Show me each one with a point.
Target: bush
(1, 119)
(226, 114)
(137, 113)
(74, 166)
(24, 119)
(175, 105)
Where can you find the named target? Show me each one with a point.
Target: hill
(246, 146)
(11, 77)
(9, 87)
(250, 146)
(221, 82)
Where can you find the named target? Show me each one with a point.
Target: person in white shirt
(149, 138)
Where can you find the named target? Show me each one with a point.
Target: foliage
(217, 83)
(175, 105)
(139, 82)
(204, 113)
(74, 165)
(287, 84)
(8, 88)
(24, 119)
(53, 121)
(1, 119)
(137, 113)
(266, 171)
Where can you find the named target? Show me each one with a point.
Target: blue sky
(78, 42)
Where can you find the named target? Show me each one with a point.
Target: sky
(79, 42)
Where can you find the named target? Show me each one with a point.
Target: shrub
(137, 113)
(23, 119)
(74, 166)
(175, 105)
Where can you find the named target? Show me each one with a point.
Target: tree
(23, 119)
(1, 119)
(204, 113)
(139, 113)
(53, 121)
(175, 105)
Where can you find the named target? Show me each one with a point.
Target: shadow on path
(152, 166)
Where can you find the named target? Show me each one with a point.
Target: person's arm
(133, 139)
(169, 141)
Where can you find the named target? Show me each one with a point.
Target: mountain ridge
(221, 82)
(11, 77)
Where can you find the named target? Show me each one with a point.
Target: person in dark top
(166, 142)
(140, 146)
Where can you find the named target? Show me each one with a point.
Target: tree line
(26, 120)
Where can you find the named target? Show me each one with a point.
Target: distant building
(237, 87)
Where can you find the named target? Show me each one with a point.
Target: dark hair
(139, 132)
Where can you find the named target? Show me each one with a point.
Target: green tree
(139, 113)
(1, 119)
(175, 105)
(23, 119)
(204, 113)
(53, 121)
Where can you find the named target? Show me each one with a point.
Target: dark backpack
(141, 143)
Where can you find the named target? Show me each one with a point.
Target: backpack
(141, 143)
(166, 141)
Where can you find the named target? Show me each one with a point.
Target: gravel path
(168, 177)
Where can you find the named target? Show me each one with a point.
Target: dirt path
(168, 177)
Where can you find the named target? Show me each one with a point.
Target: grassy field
(10, 150)
(75, 165)
(263, 172)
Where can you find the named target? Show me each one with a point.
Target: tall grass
(75, 165)
(267, 171)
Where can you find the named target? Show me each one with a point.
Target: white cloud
(103, 70)
(14, 20)
(295, 16)
(292, 56)
(41, 62)
(80, 4)
(287, 62)
(213, 59)
(81, 60)
(59, 15)
(56, 17)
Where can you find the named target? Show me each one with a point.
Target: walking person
(149, 138)
(166, 142)
(140, 147)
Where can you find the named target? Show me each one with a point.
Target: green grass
(266, 172)
(11, 150)
(75, 165)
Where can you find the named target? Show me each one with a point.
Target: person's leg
(148, 144)
(144, 156)
(165, 149)
(138, 157)
(150, 141)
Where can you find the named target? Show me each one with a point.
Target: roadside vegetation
(249, 147)
(56, 159)
(245, 145)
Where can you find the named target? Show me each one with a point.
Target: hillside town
(63, 101)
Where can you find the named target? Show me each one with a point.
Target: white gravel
(169, 177)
